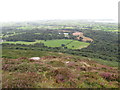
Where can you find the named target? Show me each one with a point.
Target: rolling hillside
(55, 70)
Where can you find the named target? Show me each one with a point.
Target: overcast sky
(27, 10)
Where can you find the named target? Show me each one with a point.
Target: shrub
(21, 80)
(109, 76)
(61, 74)
(56, 63)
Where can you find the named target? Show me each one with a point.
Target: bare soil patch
(80, 35)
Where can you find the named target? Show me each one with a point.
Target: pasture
(77, 45)
(113, 30)
(70, 44)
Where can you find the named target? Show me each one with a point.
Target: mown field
(71, 44)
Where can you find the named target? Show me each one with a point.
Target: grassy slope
(52, 71)
(14, 54)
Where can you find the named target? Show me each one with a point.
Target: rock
(85, 64)
(34, 58)
(67, 61)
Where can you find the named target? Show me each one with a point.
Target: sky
(28, 10)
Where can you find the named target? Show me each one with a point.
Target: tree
(65, 47)
(81, 38)
(62, 45)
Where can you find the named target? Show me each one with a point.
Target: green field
(26, 27)
(71, 44)
(20, 42)
(77, 45)
(55, 43)
(112, 30)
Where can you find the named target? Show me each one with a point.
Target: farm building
(66, 34)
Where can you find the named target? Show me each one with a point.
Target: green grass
(56, 43)
(101, 61)
(105, 62)
(77, 45)
(68, 27)
(26, 27)
(20, 42)
(8, 35)
(50, 43)
(39, 27)
(14, 53)
(38, 33)
(112, 30)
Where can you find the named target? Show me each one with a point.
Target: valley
(72, 54)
